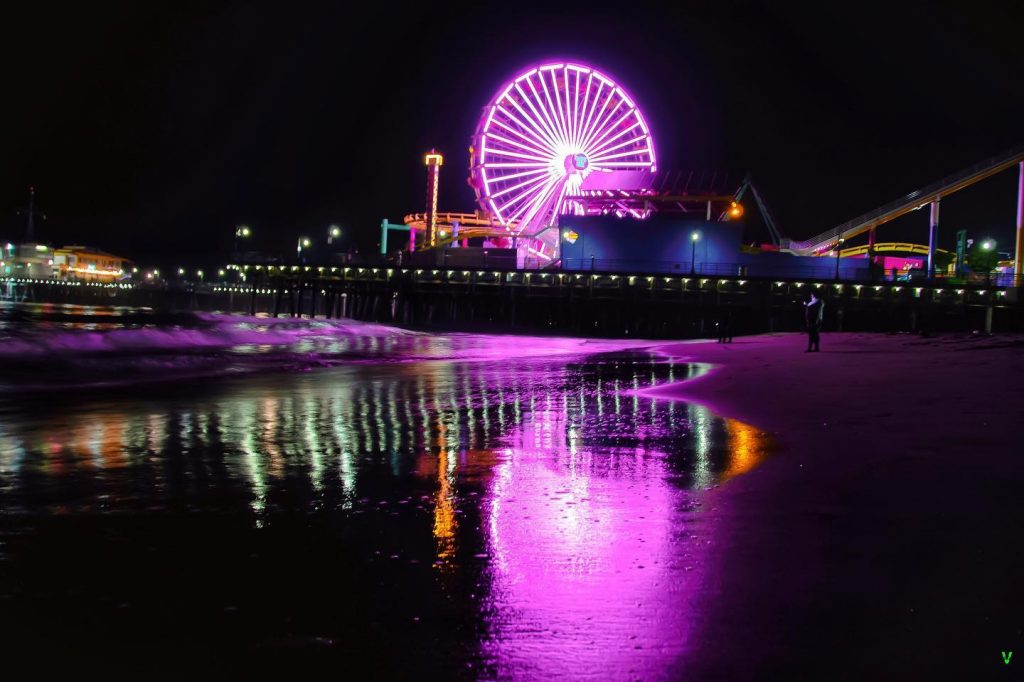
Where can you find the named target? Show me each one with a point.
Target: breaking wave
(47, 346)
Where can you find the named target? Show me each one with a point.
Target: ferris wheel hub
(576, 163)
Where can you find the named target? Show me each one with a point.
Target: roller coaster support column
(1018, 252)
(872, 238)
(933, 237)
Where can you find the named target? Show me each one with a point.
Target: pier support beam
(933, 237)
(1018, 252)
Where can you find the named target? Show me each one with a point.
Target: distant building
(88, 264)
(40, 261)
(31, 260)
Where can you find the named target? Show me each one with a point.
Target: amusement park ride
(564, 139)
(559, 139)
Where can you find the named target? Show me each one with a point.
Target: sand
(883, 538)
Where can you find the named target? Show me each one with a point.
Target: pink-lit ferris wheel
(541, 136)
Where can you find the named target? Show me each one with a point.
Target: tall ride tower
(433, 161)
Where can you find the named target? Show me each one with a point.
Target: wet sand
(883, 539)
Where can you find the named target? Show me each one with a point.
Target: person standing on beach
(814, 313)
(725, 323)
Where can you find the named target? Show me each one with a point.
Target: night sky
(152, 129)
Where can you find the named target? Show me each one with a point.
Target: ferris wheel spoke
(515, 132)
(605, 99)
(535, 201)
(545, 110)
(558, 106)
(518, 145)
(570, 108)
(624, 164)
(491, 164)
(551, 105)
(525, 132)
(608, 130)
(631, 141)
(604, 124)
(607, 145)
(523, 174)
(540, 132)
(602, 121)
(566, 87)
(508, 154)
(576, 110)
(519, 197)
(583, 109)
(593, 106)
(545, 203)
(620, 155)
(551, 134)
(529, 182)
(513, 124)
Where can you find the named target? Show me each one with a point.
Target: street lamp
(199, 274)
(333, 232)
(988, 245)
(242, 231)
(839, 249)
(303, 243)
(694, 236)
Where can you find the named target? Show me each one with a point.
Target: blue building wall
(664, 244)
(659, 244)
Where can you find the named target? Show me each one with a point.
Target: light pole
(302, 243)
(988, 245)
(241, 231)
(333, 232)
(839, 248)
(694, 236)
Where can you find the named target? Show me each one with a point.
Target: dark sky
(151, 129)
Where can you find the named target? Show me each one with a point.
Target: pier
(607, 304)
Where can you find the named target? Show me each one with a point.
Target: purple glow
(597, 558)
(561, 122)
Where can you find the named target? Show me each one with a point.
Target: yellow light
(433, 160)
(735, 210)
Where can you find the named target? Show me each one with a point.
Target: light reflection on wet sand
(583, 496)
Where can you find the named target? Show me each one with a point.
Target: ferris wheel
(541, 135)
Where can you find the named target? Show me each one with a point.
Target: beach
(882, 538)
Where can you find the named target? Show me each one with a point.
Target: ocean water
(218, 495)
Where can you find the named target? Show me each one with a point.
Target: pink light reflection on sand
(591, 574)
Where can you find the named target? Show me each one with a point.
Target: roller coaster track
(911, 202)
(887, 247)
